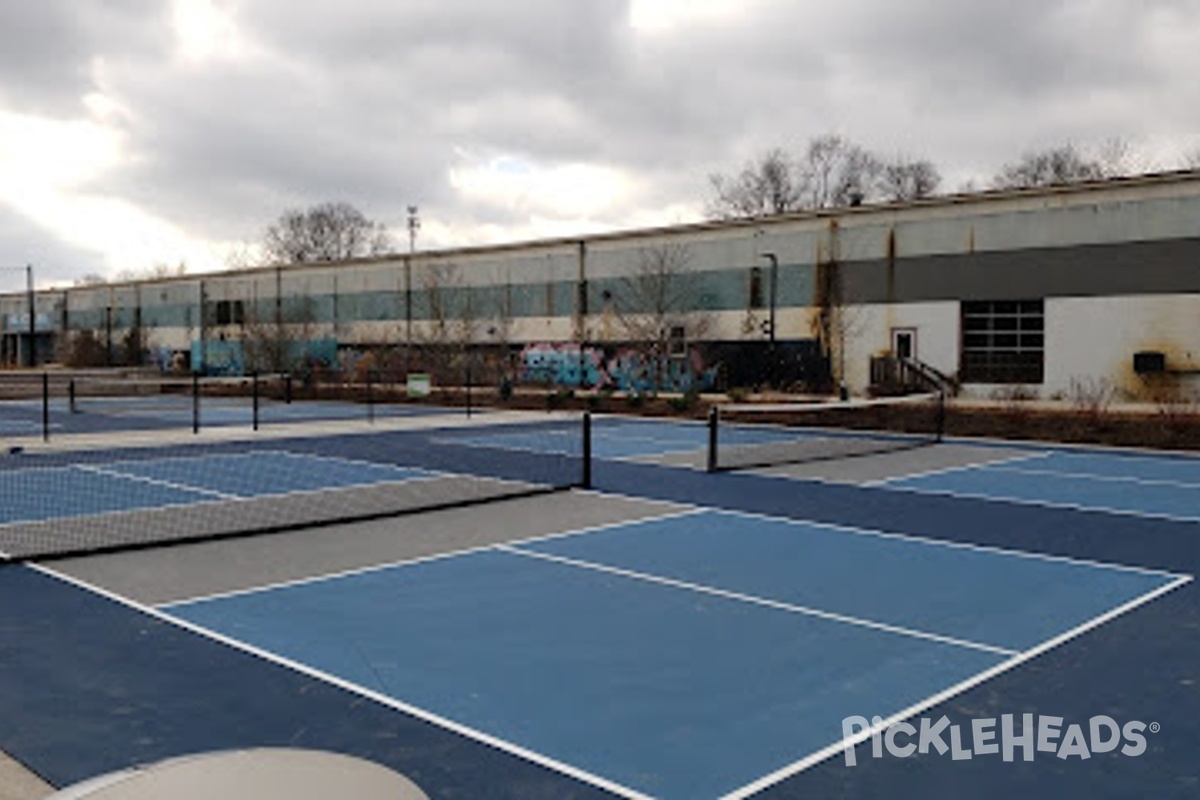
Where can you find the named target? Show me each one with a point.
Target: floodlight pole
(414, 225)
(32, 316)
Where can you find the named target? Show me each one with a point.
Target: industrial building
(1041, 288)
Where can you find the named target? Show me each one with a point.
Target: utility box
(1149, 362)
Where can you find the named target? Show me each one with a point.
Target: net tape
(84, 503)
(758, 435)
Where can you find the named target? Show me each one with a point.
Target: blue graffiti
(625, 370)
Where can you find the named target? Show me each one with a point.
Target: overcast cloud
(138, 132)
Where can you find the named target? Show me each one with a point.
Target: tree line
(834, 171)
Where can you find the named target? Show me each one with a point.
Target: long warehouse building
(1044, 289)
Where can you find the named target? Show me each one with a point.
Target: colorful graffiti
(622, 369)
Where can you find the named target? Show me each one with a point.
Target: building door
(904, 343)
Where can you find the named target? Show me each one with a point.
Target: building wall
(1116, 264)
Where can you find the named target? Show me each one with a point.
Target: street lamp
(774, 294)
(414, 225)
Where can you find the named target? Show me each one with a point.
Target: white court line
(909, 537)
(941, 697)
(806, 611)
(386, 700)
(407, 562)
(1094, 476)
(425, 474)
(947, 543)
(1026, 501)
(956, 468)
(112, 473)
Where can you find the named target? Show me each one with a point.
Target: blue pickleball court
(683, 656)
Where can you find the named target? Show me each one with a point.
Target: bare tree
(1191, 159)
(656, 303)
(903, 179)
(836, 172)
(1053, 166)
(160, 270)
(275, 342)
(325, 232)
(452, 320)
(764, 186)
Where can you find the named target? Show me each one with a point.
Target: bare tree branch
(325, 232)
(902, 180)
(765, 186)
(1054, 166)
(656, 302)
(1191, 159)
(836, 172)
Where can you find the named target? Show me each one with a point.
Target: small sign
(419, 384)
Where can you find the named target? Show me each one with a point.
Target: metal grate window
(1003, 341)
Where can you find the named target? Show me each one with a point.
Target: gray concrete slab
(182, 572)
(18, 783)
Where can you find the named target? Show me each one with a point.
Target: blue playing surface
(37, 494)
(1148, 486)
(686, 656)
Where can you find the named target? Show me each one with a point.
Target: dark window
(582, 302)
(230, 312)
(756, 287)
(677, 341)
(1003, 341)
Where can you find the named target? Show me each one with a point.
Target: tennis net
(55, 504)
(749, 435)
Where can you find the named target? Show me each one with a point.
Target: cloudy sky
(141, 132)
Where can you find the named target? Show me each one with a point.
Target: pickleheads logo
(1029, 734)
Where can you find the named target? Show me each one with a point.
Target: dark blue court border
(89, 686)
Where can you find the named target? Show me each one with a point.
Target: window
(1003, 341)
(756, 287)
(677, 341)
(230, 312)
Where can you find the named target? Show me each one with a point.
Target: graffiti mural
(623, 369)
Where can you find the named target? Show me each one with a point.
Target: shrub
(1091, 396)
(738, 394)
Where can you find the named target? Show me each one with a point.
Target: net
(67, 504)
(90, 401)
(743, 436)
(193, 401)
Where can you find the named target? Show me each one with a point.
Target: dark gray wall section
(1131, 268)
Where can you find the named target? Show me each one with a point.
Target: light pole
(774, 295)
(414, 225)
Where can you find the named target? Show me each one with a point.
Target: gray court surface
(18, 783)
(172, 574)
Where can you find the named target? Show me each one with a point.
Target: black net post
(468, 360)
(941, 414)
(713, 421)
(371, 396)
(195, 402)
(45, 406)
(71, 397)
(586, 478)
(287, 388)
(254, 396)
